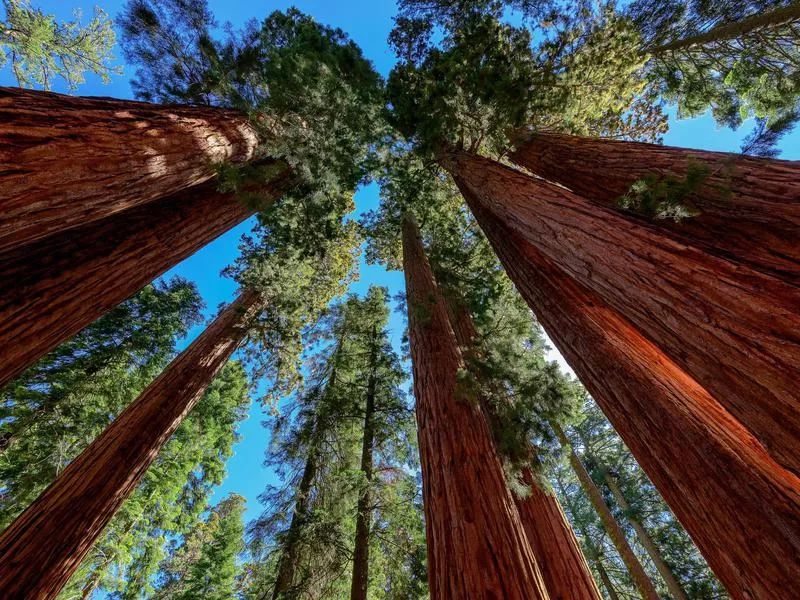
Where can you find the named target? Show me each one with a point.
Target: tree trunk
(732, 329)
(477, 546)
(777, 17)
(562, 564)
(675, 588)
(358, 589)
(640, 577)
(52, 289)
(66, 160)
(288, 563)
(592, 550)
(741, 508)
(749, 207)
(42, 548)
(287, 566)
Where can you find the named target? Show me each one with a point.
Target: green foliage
(172, 496)
(764, 138)
(308, 89)
(578, 70)
(316, 445)
(738, 75)
(205, 564)
(40, 49)
(668, 196)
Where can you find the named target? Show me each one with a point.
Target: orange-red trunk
(477, 546)
(44, 546)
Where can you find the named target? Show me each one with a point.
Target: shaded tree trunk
(749, 209)
(734, 330)
(477, 546)
(562, 564)
(66, 160)
(42, 548)
(675, 588)
(288, 562)
(607, 583)
(741, 508)
(777, 17)
(52, 289)
(640, 577)
(360, 581)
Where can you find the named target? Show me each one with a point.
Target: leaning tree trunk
(558, 554)
(360, 580)
(592, 550)
(674, 586)
(734, 330)
(741, 508)
(749, 208)
(640, 577)
(52, 289)
(563, 564)
(44, 546)
(477, 546)
(66, 160)
(777, 17)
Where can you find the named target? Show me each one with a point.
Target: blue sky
(368, 23)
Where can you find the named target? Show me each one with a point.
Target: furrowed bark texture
(749, 207)
(360, 580)
(66, 160)
(736, 331)
(52, 289)
(477, 548)
(564, 568)
(675, 588)
(741, 508)
(642, 580)
(558, 554)
(44, 546)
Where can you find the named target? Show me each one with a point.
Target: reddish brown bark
(53, 288)
(563, 566)
(640, 577)
(477, 548)
(741, 508)
(732, 329)
(43, 547)
(66, 160)
(749, 207)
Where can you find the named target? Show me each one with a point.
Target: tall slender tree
(478, 516)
